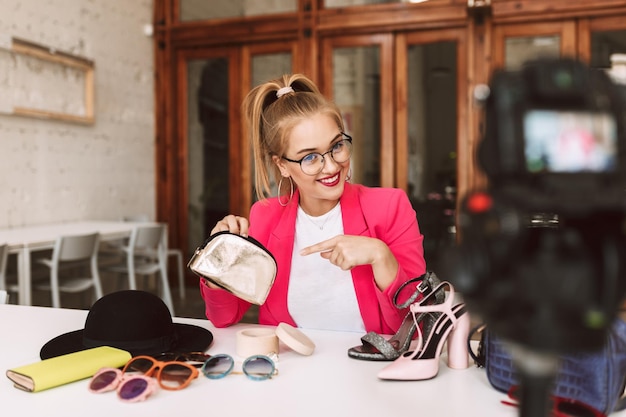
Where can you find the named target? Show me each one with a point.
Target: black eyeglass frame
(345, 138)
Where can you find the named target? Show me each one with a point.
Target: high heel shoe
(423, 363)
(377, 348)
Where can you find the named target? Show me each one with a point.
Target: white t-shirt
(321, 295)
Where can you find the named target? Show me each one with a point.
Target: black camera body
(555, 142)
(555, 138)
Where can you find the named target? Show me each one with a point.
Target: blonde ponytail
(272, 109)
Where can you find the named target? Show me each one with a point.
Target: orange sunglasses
(171, 375)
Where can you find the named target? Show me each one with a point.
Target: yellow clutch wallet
(60, 370)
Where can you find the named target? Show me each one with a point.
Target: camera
(555, 139)
(554, 147)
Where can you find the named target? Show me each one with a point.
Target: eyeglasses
(171, 375)
(313, 163)
(561, 407)
(257, 367)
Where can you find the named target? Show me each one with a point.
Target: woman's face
(318, 193)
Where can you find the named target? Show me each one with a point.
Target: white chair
(4, 256)
(8, 279)
(177, 253)
(146, 255)
(70, 255)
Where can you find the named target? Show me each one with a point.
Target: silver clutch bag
(242, 266)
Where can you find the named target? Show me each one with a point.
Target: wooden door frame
(566, 29)
(586, 26)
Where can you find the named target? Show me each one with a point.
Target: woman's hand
(231, 223)
(349, 251)
(234, 224)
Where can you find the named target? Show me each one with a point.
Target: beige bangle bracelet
(256, 341)
(264, 340)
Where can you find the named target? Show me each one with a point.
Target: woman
(342, 249)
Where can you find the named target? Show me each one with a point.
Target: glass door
(431, 129)
(207, 108)
(218, 169)
(403, 98)
(357, 74)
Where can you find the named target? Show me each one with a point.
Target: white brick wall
(57, 171)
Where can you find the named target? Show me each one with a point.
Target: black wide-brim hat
(136, 321)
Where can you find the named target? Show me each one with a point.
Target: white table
(25, 240)
(327, 383)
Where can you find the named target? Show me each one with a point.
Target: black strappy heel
(378, 348)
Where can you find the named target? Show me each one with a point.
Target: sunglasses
(256, 368)
(133, 383)
(195, 359)
(130, 388)
(561, 407)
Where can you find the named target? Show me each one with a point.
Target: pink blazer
(383, 213)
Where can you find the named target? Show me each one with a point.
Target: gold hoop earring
(280, 186)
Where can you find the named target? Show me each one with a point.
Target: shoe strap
(432, 304)
(388, 350)
(424, 287)
(426, 306)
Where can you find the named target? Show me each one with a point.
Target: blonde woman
(342, 249)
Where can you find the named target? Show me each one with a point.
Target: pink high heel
(423, 363)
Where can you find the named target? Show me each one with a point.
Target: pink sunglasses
(130, 388)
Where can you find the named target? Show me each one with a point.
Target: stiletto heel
(378, 348)
(452, 326)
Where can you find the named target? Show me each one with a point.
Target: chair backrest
(144, 218)
(68, 248)
(4, 256)
(149, 236)
(75, 247)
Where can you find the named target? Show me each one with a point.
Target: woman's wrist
(208, 283)
(385, 267)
